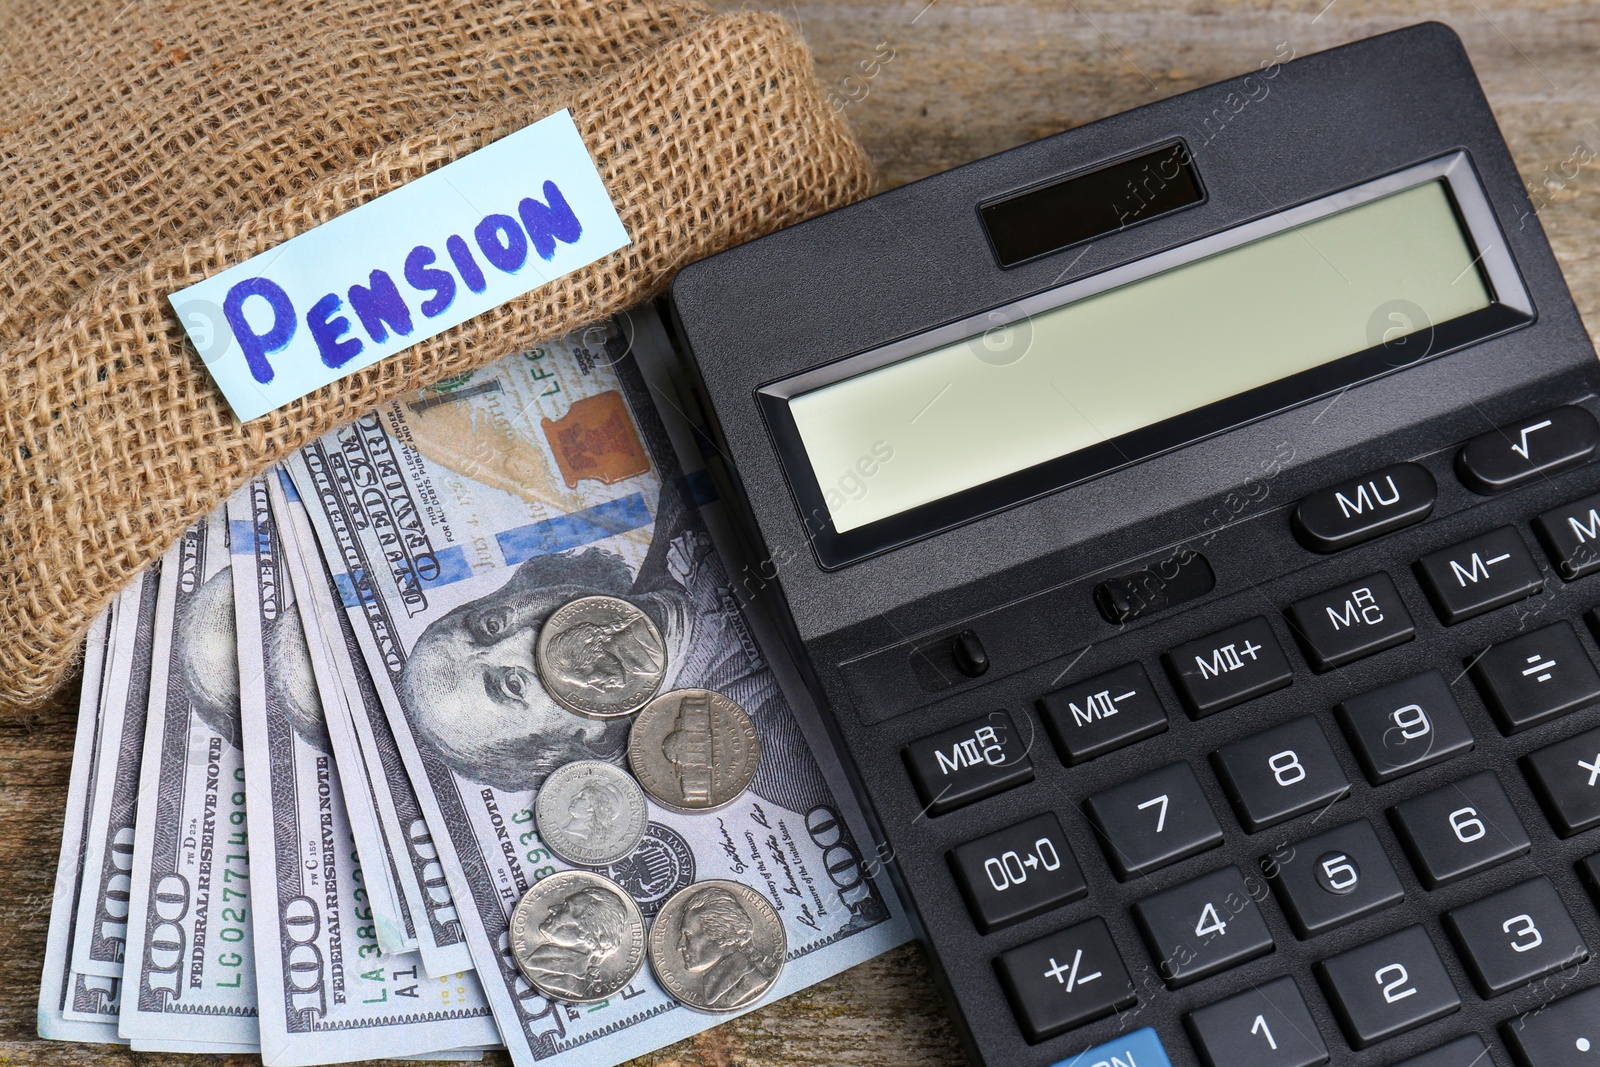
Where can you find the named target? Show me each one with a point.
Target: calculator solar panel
(1269, 737)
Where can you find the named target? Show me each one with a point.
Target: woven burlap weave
(707, 130)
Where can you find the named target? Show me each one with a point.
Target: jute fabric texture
(145, 146)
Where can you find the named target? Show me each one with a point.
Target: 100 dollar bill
(418, 872)
(61, 989)
(102, 921)
(454, 522)
(189, 973)
(329, 993)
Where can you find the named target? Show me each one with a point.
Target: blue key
(1142, 1048)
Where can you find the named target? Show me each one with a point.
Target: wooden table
(929, 86)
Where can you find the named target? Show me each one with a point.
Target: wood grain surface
(966, 79)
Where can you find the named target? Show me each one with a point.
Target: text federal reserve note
(189, 973)
(328, 992)
(456, 521)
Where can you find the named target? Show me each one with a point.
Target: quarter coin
(717, 946)
(693, 750)
(577, 937)
(600, 656)
(591, 813)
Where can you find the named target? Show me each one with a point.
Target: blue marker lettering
(461, 256)
(379, 304)
(258, 346)
(547, 224)
(327, 328)
(423, 277)
(509, 256)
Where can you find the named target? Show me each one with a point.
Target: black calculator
(1190, 523)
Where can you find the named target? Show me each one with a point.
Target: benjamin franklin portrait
(471, 686)
(205, 641)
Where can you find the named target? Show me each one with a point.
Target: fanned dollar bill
(391, 915)
(454, 522)
(189, 971)
(102, 921)
(60, 987)
(418, 872)
(328, 992)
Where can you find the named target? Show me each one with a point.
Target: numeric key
(1460, 829)
(1275, 775)
(1153, 821)
(1487, 572)
(1065, 979)
(1515, 936)
(1201, 927)
(1400, 728)
(1334, 878)
(1265, 1026)
(1391, 985)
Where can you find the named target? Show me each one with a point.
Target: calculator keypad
(1154, 821)
(1334, 878)
(1065, 979)
(1388, 986)
(1460, 829)
(1281, 773)
(1536, 677)
(1229, 667)
(1304, 891)
(1477, 576)
(1017, 873)
(1203, 926)
(1515, 936)
(1267, 1026)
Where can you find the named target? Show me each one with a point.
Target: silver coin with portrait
(591, 813)
(600, 656)
(577, 937)
(693, 750)
(717, 946)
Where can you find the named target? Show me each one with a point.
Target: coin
(693, 750)
(591, 813)
(577, 937)
(601, 657)
(717, 946)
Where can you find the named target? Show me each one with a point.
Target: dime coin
(601, 657)
(577, 937)
(591, 813)
(717, 946)
(693, 750)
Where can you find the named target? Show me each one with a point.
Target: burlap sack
(706, 131)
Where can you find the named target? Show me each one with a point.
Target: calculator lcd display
(1036, 388)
